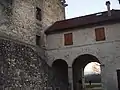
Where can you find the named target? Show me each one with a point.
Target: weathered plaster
(84, 42)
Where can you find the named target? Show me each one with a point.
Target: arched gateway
(60, 68)
(78, 70)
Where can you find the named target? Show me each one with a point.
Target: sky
(92, 68)
(77, 8)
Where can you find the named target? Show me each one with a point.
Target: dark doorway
(118, 77)
(60, 68)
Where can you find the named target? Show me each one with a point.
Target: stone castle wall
(22, 68)
(23, 64)
(53, 11)
(18, 18)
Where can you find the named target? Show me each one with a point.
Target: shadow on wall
(60, 69)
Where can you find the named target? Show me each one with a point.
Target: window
(37, 40)
(100, 34)
(68, 39)
(38, 14)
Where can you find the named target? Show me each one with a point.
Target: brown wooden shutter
(68, 39)
(100, 34)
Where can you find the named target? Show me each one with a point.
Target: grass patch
(93, 85)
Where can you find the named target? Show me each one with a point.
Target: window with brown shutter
(68, 39)
(100, 34)
(38, 14)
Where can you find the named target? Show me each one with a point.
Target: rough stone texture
(22, 67)
(53, 11)
(5, 13)
(18, 18)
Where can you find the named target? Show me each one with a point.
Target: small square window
(37, 40)
(100, 34)
(68, 39)
(38, 14)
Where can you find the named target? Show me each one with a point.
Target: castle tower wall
(22, 64)
(20, 16)
(53, 11)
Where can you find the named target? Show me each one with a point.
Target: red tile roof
(83, 21)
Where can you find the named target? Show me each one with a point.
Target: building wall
(53, 11)
(5, 13)
(84, 42)
(22, 64)
(22, 68)
(19, 18)
(23, 21)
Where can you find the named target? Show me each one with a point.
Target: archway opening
(92, 75)
(60, 68)
(78, 70)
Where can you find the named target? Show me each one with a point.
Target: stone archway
(60, 68)
(78, 70)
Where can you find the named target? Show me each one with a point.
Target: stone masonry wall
(21, 68)
(18, 18)
(23, 20)
(52, 11)
(5, 14)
